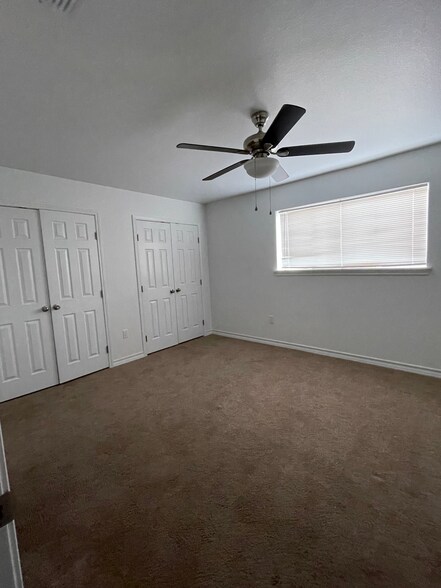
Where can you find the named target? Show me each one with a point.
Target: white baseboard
(127, 359)
(395, 365)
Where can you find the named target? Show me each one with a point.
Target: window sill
(356, 271)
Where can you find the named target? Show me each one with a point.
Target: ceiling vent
(63, 5)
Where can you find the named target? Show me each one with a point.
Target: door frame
(95, 214)
(136, 218)
(10, 527)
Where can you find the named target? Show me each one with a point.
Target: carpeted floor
(226, 464)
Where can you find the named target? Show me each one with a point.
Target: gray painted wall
(115, 209)
(393, 318)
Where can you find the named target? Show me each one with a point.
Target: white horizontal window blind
(378, 231)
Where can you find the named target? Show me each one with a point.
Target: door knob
(45, 308)
(178, 289)
(56, 307)
(172, 291)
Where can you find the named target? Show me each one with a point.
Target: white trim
(395, 365)
(10, 528)
(15, 554)
(103, 284)
(138, 285)
(356, 271)
(128, 358)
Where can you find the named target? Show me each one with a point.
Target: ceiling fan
(260, 146)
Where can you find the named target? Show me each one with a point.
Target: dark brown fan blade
(286, 118)
(316, 149)
(225, 170)
(210, 148)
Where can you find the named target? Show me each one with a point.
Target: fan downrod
(253, 143)
(259, 118)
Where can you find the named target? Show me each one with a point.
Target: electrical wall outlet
(271, 319)
(125, 333)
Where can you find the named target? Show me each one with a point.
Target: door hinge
(200, 281)
(137, 237)
(102, 294)
(198, 240)
(142, 288)
(6, 509)
(146, 338)
(203, 322)
(107, 349)
(96, 235)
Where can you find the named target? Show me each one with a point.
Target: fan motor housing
(253, 143)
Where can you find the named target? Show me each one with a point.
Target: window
(380, 231)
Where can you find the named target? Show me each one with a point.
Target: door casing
(10, 572)
(94, 213)
(138, 271)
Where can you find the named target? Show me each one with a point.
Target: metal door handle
(45, 308)
(178, 289)
(172, 291)
(56, 307)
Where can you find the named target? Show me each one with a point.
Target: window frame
(349, 271)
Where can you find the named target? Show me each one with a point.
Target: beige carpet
(222, 463)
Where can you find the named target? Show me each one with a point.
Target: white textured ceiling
(103, 94)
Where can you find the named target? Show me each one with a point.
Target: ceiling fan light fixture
(261, 144)
(261, 167)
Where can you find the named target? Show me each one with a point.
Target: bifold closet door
(27, 353)
(157, 284)
(188, 283)
(71, 255)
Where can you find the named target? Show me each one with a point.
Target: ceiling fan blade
(210, 148)
(280, 174)
(225, 170)
(286, 118)
(316, 149)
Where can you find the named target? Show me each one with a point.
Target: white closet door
(72, 264)
(187, 266)
(27, 354)
(10, 569)
(157, 290)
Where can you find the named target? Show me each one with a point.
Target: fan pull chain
(270, 196)
(255, 188)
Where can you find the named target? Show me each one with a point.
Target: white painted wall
(115, 209)
(393, 318)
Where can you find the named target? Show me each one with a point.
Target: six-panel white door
(71, 255)
(157, 284)
(71, 314)
(27, 354)
(188, 284)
